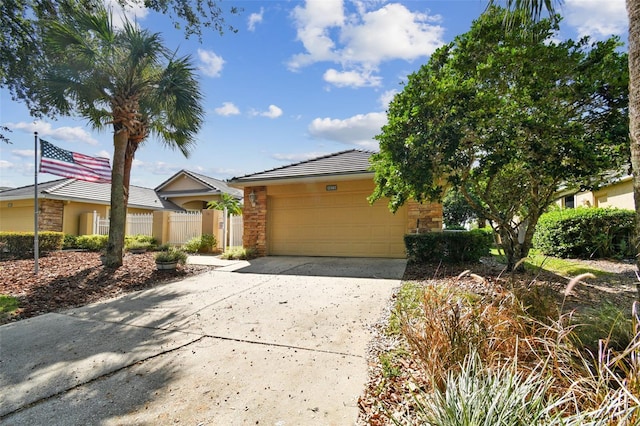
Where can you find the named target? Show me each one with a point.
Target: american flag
(69, 164)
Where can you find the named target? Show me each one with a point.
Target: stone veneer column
(423, 218)
(255, 220)
(50, 215)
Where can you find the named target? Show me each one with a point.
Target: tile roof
(211, 185)
(100, 193)
(353, 161)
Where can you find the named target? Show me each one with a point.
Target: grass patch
(8, 306)
(563, 267)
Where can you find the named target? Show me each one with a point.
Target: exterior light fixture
(253, 198)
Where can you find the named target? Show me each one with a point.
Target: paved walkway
(271, 343)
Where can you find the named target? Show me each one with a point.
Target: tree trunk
(118, 217)
(633, 11)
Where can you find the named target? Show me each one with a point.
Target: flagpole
(35, 205)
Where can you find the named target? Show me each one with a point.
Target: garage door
(334, 224)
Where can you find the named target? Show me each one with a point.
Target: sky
(299, 79)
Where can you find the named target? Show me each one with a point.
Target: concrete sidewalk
(219, 348)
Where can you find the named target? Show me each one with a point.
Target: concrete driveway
(277, 341)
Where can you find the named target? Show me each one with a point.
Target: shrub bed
(586, 233)
(449, 246)
(20, 244)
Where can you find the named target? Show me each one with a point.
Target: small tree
(507, 117)
(229, 205)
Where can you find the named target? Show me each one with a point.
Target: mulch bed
(69, 279)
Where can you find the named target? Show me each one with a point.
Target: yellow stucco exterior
(618, 194)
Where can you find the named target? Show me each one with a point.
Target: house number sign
(332, 187)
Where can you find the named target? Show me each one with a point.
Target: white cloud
(22, 153)
(596, 18)
(362, 40)
(255, 18)
(392, 32)
(351, 78)
(272, 112)
(386, 98)
(314, 21)
(227, 109)
(212, 63)
(357, 130)
(296, 158)
(46, 130)
(6, 164)
(133, 11)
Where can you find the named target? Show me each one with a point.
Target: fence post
(160, 228)
(95, 222)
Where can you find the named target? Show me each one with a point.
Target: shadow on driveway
(344, 267)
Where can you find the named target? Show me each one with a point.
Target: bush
(92, 242)
(202, 244)
(240, 253)
(20, 244)
(586, 233)
(139, 242)
(69, 241)
(449, 246)
(171, 255)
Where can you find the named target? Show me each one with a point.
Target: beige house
(617, 193)
(319, 207)
(67, 205)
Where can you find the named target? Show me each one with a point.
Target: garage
(319, 207)
(335, 222)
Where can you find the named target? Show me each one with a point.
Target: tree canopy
(506, 118)
(22, 59)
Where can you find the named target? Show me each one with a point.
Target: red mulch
(70, 279)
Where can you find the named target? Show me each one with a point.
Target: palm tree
(125, 78)
(229, 205)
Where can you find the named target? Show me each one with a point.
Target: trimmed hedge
(20, 244)
(586, 233)
(449, 246)
(92, 242)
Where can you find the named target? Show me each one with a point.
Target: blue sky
(298, 80)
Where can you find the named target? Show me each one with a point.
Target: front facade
(320, 208)
(618, 193)
(65, 204)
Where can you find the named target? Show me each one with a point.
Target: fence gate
(184, 226)
(137, 224)
(235, 231)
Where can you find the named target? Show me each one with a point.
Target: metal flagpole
(35, 206)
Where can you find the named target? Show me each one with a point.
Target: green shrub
(586, 233)
(92, 242)
(146, 240)
(69, 241)
(202, 244)
(449, 246)
(241, 253)
(171, 255)
(20, 244)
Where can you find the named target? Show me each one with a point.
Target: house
(617, 192)
(319, 207)
(193, 191)
(65, 203)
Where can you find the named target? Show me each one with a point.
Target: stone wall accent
(424, 217)
(50, 215)
(255, 220)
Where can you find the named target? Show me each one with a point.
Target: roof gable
(195, 184)
(349, 162)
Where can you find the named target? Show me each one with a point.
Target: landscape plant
(505, 117)
(123, 78)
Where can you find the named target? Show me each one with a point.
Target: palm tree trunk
(117, 219)
(633, 11)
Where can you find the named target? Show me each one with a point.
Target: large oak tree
(505, 118)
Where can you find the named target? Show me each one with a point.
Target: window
(569, 202)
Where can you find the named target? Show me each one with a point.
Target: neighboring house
(65, 203)
(617, 192)
(193, 191)
(319, 207)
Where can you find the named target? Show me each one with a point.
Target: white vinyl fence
(235, 231)
(184, 226)
(137, 224)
